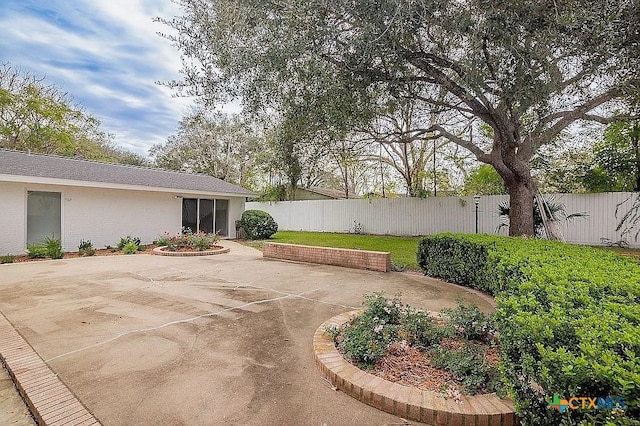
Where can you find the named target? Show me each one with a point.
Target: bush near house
(50, 247)
(568, 318)
(85, 248)
(258, 224)
(126, 240)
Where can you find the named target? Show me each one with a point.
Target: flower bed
(188, 241)
(185, 252)
(454, 352)
(407, 402)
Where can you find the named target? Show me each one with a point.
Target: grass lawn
(403, 249)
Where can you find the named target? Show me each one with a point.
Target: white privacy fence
(424, 216)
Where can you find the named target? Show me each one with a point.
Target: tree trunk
(635, 135)
(521, 195)
(511, 161)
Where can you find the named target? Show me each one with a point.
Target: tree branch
(479, 153)
(568, 117)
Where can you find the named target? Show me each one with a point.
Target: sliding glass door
(222, 217)
(206, 215)
(189, 214)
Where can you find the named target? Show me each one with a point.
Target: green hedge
(568, 318)
(258, 224)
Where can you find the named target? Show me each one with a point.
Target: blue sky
(106, 55)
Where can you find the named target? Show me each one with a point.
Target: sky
(107, 55)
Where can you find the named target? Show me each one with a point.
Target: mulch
(409, 366)
(72, 255)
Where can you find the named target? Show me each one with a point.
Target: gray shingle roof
(54, 167)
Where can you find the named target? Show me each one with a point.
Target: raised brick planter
(405, 401)
(358, 259)
(160, 252)
(49, 400)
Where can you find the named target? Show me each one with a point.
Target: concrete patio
(198, 340)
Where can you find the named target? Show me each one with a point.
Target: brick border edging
(50, 401)
(160, 252)
(348, 258)
(405, 401)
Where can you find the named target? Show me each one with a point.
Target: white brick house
(43, 195)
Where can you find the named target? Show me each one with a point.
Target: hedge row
(568, 319)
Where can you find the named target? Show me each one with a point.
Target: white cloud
(107, 55)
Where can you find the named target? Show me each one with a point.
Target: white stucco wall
(13, 215)
(99, 214)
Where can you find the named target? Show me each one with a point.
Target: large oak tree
(527, 69)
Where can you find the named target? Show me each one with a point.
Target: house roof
(54, 167)
(328, 192)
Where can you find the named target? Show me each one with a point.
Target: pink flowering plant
(188, 240)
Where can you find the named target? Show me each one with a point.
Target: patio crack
(182, 321)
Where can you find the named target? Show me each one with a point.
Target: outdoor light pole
(476, 200)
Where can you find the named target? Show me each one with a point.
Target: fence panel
(425, 216)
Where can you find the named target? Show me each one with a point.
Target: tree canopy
(528, 70)
(220, 145)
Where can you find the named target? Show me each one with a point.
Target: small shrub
(128, 239)
(421, 329)
(130, 248)
(53, 247)
(163, 239)
(467, 364)
(258, 224)
(366, 339)
(333, 331)
(36, 251)
(201, 240)
(469, 322)
(388, 311)
(357, 227)
(9, 258)
(142, 247)
(85, 248)
(368, 335)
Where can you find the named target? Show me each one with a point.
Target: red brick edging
(160, 252)
(405, 401)
(358, 259)
(49, 400)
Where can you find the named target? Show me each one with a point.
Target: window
(206, 215)
(43, 216)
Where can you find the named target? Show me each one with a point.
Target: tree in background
(411, 153)
(42, 118)
(616, 159)
(526, 69)
(484, 181)
(223, 146)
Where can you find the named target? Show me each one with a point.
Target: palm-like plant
(554, 211)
